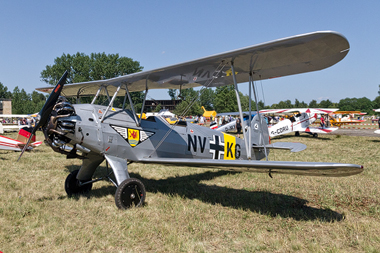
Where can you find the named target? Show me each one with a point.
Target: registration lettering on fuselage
(219, 148)
(280, 130)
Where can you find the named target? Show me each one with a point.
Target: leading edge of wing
(281, 167)
(293, 55)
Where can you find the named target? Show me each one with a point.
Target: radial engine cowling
(62, 122)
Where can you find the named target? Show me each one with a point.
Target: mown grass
(195, 209)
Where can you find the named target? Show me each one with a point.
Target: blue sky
(162, 33)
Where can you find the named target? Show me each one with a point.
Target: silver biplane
(95, 133)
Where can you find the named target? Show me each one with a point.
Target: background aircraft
(231, 125)
(349, 118)
(7, 143)
(299, 121)
(95, 133)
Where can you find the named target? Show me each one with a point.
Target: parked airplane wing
(284, 111)
(294, 168)
(319, 129)
(288, 56)
(307, 110)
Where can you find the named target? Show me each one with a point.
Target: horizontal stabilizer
(292, 146)
(294, 168)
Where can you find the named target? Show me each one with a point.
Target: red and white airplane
(7, 143)
(299, 122)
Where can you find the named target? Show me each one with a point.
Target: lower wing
(319, 129)
(281, 167)
(12, 144)
(36, 144)
(9, 144)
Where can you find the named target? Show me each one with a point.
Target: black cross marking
(216, 148)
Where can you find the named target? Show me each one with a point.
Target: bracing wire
(262, 91)
(208, 83)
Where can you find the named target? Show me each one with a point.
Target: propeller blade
(47, 108)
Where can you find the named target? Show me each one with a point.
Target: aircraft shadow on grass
(262, 202)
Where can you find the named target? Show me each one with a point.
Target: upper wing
(295, 168)
(288, 56)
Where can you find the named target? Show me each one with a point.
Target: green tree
(297, 104)
(189, 98)
(325, 104)
(84, 68)
(158, 108)
(260, 104)
(303, 105)
(21, 102)
(182, 109)
(313, 104)
(376, 103)
(97, 66)
(285, 104)
(364, 105)
(172, 93)
(4, 93)
(206, 98)
(347, 104)
(225, 99)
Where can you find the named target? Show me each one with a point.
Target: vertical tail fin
(24, 134)
(260, 133)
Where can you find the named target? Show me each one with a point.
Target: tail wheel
(72, 184)
(130, 193)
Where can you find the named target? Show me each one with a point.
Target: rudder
(259, 137)
(24, 134)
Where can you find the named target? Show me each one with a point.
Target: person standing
(201, 120)
(322, 121)
(238, 126)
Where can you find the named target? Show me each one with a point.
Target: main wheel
(297, 133)
(72, 184)
(131, 192)
(315, 135)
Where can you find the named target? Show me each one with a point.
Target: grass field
(194, 209)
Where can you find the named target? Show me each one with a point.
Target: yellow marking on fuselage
(229, 147)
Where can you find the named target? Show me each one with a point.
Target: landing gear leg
(131, 192)
(75, 186)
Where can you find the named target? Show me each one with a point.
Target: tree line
(223, 99)
(99, 66)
